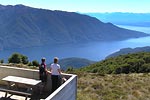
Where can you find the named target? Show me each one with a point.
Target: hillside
(130, 63)
(23, 26)
(129, 50)
(124, 77)
(105, 80)
(74, 62)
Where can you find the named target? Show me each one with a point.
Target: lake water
(137, 28)
(92, 51)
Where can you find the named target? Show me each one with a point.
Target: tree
(24, 59)
(15, 58)
(18, 58)
(69, 69)
(125, 69)
(145, 68)
(2, 61)
(146, 58)
(30, 64)
(35, 63)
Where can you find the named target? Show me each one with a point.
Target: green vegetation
(130, 63)
(19, 60)
(105, 80)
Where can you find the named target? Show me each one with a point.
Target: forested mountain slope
(129, 63)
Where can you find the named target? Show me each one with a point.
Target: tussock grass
(113, 87)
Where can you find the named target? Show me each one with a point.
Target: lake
(93, 51)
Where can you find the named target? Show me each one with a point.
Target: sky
(135, 6)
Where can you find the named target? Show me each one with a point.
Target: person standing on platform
(43, 74)
(55, 74)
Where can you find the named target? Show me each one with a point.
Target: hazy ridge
(124, 51)
(122, 18)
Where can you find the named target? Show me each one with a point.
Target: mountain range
(124, 18)
(22, 26)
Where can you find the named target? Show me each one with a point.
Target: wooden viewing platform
(67, 91)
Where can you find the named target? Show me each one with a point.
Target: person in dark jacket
(43, 74)
(43, 70)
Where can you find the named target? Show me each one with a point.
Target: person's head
(55, 59)
(43, 59)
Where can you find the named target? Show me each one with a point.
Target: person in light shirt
(55, 74)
